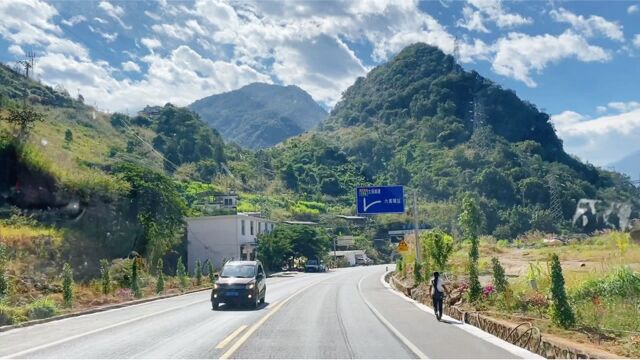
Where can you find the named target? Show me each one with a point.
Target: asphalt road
(347, 313)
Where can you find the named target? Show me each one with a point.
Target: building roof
(293, 222)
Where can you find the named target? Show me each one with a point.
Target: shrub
(121, 272)
(42, 308)
(135, 279)
(499, 277)
(502, 244)
(624, 282)
(417, 272)
(4, 283)
(7, 315)
(198, 272)
(211, 273)
(160, 282)
(181, 273)
(105, 278)
(560, 311)
(67, 285)
(475, 289)
(439, 246)
(399, 265)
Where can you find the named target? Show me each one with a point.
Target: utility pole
(415, 226)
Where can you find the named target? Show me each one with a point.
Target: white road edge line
(386, 323)
(514, 349)
(229, 338)
(61, 341)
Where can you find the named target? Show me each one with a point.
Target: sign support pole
(415, 226)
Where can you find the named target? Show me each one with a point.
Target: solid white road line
(229, 338)
(414, 349)
(477, 332)
(61, 341)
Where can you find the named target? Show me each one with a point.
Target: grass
(610, 320)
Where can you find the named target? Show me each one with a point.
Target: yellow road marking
(229, 338)
(255, 326)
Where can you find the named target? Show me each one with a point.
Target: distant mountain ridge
(260, 115)
(629, 165)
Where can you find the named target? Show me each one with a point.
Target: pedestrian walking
(437, 289)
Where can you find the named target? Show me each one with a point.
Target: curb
(96, 310)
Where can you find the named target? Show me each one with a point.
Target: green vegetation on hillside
(260, 115)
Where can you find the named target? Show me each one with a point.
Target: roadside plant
(181, 273)
(198, 272)
(417, 272)
(105, 277)
(67, 285)
(623, 240)
(561, 312)
(135, 279)
(499, 278)
(475, 289)
(399, 265)
(211, 273)
(160, 282)
(42, 308)
(440, 246)
(4, 283)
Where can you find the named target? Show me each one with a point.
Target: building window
(242, 227)
(251, 227)
(259, 227)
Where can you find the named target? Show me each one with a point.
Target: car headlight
(215, 286)
(251, 285)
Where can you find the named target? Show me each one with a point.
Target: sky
(579, 61)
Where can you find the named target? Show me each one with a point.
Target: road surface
(347, 313)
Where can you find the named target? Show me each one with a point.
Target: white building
(223, 238)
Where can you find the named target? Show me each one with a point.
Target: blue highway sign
(380, 200)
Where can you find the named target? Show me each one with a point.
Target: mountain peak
(260, 115)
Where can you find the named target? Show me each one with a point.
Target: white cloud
(472, 20)
(601, 109)
(74, 20)
(636, 40)
(115, 12)
(589, 26)
(100, 20)
(632, 9)
(130, 66)
(107, 36)
(624, 106)
(602, 140)
(491, 10)
(176, 31)
(151, 43)
(16, 50)
(517, 55)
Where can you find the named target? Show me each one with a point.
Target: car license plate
(231, 293)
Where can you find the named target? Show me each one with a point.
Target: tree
(68, 136)
(160, 272)
(211, 272)
(440, 247)
(471, 221)
(105, 277)
(275, 248)
(158, 207)
(4, 284)
(67, 285)
(135, 279)
(417, 272)
(560, 311)
(198, 272)
(181, 273)
(24, 118)
(499, 278)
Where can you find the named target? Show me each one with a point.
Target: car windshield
(312, 262)
(239, 271)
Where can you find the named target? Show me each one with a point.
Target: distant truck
(314, 265)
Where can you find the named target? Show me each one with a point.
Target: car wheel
(215, 305)
(263, 297)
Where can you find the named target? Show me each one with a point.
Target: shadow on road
(451, 322)
(228, 307)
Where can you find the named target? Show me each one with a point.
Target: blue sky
(579, 61)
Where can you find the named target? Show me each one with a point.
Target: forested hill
(422, 121)
(260, 115)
